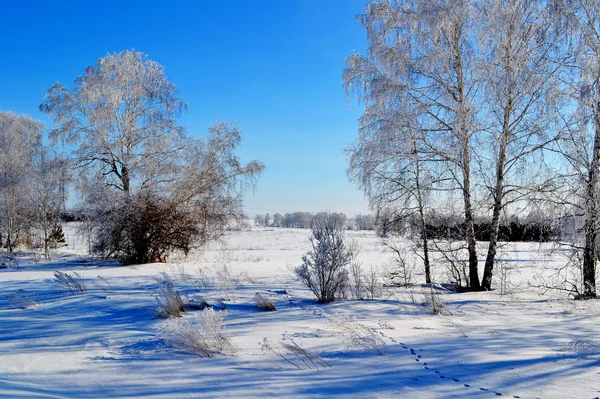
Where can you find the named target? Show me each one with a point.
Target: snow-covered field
(105, 342)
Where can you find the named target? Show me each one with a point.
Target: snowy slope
(105, 342)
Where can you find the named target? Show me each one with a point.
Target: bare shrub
(245, 276)
(294, 354)
(323, 269)
(204, 336)
(169, 301)
(372, 284)
(434, 301)
(72, 282)
(401, 272)
(144, 228)
(452, 254)
(356, 280)
(225, 282)
(364, 285)
(584, 346)
(263, 303)
(359, 335)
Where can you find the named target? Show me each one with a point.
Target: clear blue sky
(272, 66)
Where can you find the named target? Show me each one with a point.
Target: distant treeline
(512, 229)
(305, 220)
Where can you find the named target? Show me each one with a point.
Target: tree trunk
(462, 132)
(589, 252)
(470, 233)
(125, 179)
(488, 271)
(423, 221)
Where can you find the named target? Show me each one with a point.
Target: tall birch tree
(520, 74)
(423, 52)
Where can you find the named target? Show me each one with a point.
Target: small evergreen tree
(56, 236)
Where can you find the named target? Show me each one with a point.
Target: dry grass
(204, 336)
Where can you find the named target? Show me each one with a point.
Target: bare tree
(120, 115)
(520, 71)
(421, 59)
(20, 137)
(387, 163)
(580, 145)
(46, 196)
(134, 160)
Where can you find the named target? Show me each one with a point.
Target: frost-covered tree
(420, 59)
(324, 267)
(520, 75)
(46, 196)
(20, 137)
(364, 222)
(278, 220)
(388, 165)
(580, 144)
(120, 118)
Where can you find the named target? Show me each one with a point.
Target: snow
(105, 341)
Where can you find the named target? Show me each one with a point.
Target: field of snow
(105, 342)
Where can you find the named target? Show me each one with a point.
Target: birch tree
(151, 187)
(20, 137)
(423, 53)
(387, 163)
(580, 145)
(120, 116)
(45, 194)
(520, 74)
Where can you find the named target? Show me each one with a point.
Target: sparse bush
(203, 281)
(323, 269)
(372, 285)
(245, 276)
(452, 254)
(356, 280)
(364, 285)
(263, 303)
(169, 301)
(401, 272)
(359, 334)
(584, 346)
(204, 336)
(73, 282)
(225, 282)
(294, 354)
(434, 301)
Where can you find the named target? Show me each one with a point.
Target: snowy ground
(104, 342)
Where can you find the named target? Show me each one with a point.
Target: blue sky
(274, 67)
